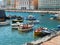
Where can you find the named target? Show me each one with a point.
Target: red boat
(38, 31)
(25, 28)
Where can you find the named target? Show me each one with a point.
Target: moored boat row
(19, 25)
(22, 27)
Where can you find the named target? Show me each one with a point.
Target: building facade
(21, 4)
(8, 4)
(27, 4)
(49, 4)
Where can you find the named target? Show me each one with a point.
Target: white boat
(58, 26)
(31, 17)
(15, 20)
(56, 16)
(51, 18)
(18, 19)
(25, 28)
(4, 23)
(15, 25)
(34, 21)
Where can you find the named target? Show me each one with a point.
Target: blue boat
(30, 17)
(2, 15)
(58, 26)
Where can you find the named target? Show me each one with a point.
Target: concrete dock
(34, 11)
(44, 39)
(53, 41)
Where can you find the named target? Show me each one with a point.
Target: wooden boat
(4, 23)
(25, 28)
(19, 19)
(38, 31)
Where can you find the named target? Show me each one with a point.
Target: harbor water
(14, 37)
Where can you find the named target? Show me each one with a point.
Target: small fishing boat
(51, 18)
(38, 32)
(34, 21)
(58, 26)
(18, 24)
(15, 25)
(57, 29)
(14, 21)
(19, 19)
(11, 17)
(4, 23)
(25, 28)
(56, 16)
(31, 17)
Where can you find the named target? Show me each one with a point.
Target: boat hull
(15, 28)
(25, 30)
(42, 33)
(37, 33)
(34, 22)
(14, 21)
(4, 23)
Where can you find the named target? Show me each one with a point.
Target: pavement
(53, 41)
